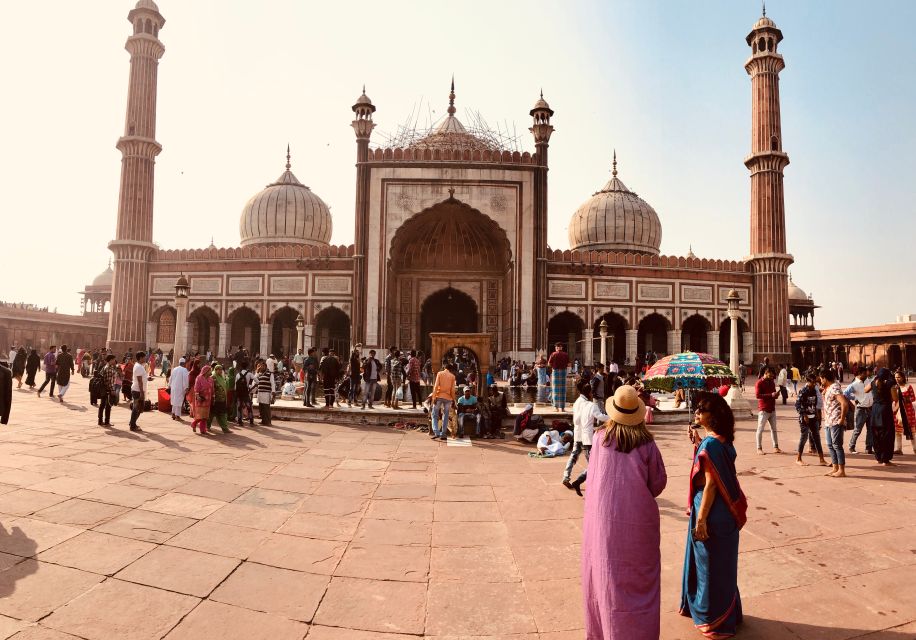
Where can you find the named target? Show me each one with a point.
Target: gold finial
(614, 169)
(451, 98)
(287, 158)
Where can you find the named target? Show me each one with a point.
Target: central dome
(615, 219)
(285, 212)
(449, 133)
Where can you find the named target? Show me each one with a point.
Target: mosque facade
(450, 236)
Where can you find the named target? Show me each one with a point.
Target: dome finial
(451, 98)
(764, 3)
(287, 157)
(109, 263)
(614, 167)
(542, 93)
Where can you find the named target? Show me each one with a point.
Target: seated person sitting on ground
(494, 408)
(552, 443)
(468, 407)
(290, 390)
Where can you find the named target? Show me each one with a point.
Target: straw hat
(625, 407)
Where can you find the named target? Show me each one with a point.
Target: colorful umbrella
(688, 370)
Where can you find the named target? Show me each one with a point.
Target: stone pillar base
(738, 403)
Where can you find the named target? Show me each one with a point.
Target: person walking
(372, 369)
(717, 510)
(558, 363)
(50, 363)
(178, 388)
(413, 377)
(443, 396)
(329, 368)
(107, 376)
(587, 414)
(310, 366)
(389, 389)
(203, 399)
(904, 414)
(782, 381)
(884, 395)
(766, 393)
(220, 407)
(354, 372)
(396, 378)
(835, 408)
(138, 389)
(65, 368)
(265, 393)
(862, 402)
(809, 419)
(32, 364)
(18, 366)
(621, 561)
(244, 380)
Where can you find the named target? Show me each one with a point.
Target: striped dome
(615, 219)
(285, 212)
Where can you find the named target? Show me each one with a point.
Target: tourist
(766, 393)
(468, 407)
(329, 368)
(355, 375)
(413, 376)
(794, 377)
(32, 364)
(220, 406)
(65, 368)
(107, 376)
(598, 386)
(244, 381)
(151, 365)
(552, 443)
(371, 371)
(587, 413)
(718, 511)
(265, 393)
(50, 366)
(862, 402)
(396, 378)
(809, 419)
(178, 388)
(835, 407)
(782, 381)
(271, 364)
(6, 394)
(310, 367)
(742, 374)
(165, 372)
(558, 363)
(389, 389)
(904, 415)
(18, 366)
(443, 396)
(621, 561)
(494, 408)
(884, 395)
(138, 389)
(298, 359)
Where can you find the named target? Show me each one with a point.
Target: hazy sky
(661, 81)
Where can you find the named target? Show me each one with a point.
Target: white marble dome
(285, 212)
(104, 279)
(796, 293)
(615, 219)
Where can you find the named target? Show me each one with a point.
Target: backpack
(95, 383)
(241, 385)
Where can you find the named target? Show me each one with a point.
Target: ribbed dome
(764, 22)
(104, 279)
(615, 219)
(285, 212)
(147, 4)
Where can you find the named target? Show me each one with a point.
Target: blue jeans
(577, 449)
(136, 407)
(355, 384)
(370, 393)
(439, 428)
(464, 416)
(835, 444)
(862, 420)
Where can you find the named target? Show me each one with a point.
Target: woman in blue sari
(718, 510)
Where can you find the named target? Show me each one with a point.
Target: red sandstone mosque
(450, 236)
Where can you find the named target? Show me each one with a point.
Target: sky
(662, 82)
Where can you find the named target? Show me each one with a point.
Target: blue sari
(710, 584)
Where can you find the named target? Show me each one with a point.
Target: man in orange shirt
(443, 397)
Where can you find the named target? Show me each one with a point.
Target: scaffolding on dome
(421, 132)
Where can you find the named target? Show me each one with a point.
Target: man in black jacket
(372, 369)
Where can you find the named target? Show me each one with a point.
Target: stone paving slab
(324, 531)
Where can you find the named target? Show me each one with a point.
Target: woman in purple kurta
(621, 561)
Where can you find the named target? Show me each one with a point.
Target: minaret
(133, 243)
(768, 260)
(362, 126)
(541, 129)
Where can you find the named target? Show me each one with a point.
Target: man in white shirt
(271, 363)
(298, 359)
(782, 380)
(138, 389)
(552, 443)
(586, 415)
(178, 388)
(615, 368)
(862, 401)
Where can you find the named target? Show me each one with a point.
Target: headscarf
(221, 384)
(203, 385)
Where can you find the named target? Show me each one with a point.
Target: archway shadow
(14, 541)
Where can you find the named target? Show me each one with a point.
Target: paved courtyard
(339, 532)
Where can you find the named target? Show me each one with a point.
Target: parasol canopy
(688, 370)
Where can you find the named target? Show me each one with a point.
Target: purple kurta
(621, 561)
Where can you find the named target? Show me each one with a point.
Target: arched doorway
(332, 330)
(447, 311)
(616, 338)
(452, 242)
(165, 327)
(203, 330)
(652, 335)
(694, 334)
(566, 327)
(245, 330)
(725, 337)
(894, 357)
(283, 332)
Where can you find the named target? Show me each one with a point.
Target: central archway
(447, 311)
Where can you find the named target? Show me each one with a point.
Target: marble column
(712, 344)
(151, 336)
(674, 341)
(631, 346)
(224, 329)
(748, 349)
(264, 347)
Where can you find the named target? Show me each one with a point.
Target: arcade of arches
(332, 329)
(203, 330)
(245, 329)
